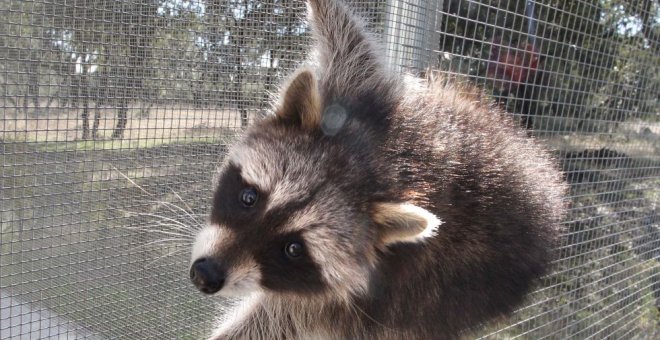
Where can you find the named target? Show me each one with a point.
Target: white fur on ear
(404, 222)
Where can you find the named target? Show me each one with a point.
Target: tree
(561, 56)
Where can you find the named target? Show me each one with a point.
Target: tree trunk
(84, 96)
(122, 119)
(32, 73)
(85, 118)
(97, 118)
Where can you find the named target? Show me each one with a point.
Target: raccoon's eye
(248, 196)
(293, 249)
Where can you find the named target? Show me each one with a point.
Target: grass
(637, 139)
(65, 245)
(125, 144)
(152, 126)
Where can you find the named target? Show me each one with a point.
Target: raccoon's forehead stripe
(267, 174)
(255, 170)
(290, 195)
(306, 219)
(283, 193)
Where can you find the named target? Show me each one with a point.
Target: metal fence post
(410, 33)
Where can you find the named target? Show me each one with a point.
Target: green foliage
(598, 59)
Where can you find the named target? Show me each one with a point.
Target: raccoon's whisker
(188, 212)
(372, 319)
(171, 241)
(162, 243)
(263, 320)
(174, 226)
(352, 310)
(169, 226)
(162, 246)
(165, 218)
(131, 181)
(158, 225)
(171, 207)
(181, 225)
(164, 256)
(165, 229)
(282, 329)
(260, 322)
(274, 321)
(269, 322)
(165, 232)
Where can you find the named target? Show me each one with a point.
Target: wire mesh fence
(116, 113)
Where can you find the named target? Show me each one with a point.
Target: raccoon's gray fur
(373, 206)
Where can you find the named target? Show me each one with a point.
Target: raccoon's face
(280, 222)
(297, 211)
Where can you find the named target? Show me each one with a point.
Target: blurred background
(114, 115)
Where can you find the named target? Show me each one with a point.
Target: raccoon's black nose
(207, 275)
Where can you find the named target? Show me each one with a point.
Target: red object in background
(512, 64)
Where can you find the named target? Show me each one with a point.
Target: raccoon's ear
(404, 222)
(301, 103)
(350, 64)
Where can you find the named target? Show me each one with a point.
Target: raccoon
(372, 205)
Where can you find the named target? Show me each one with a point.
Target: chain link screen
(116, 113)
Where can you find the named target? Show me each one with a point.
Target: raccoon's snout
(207, 275)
